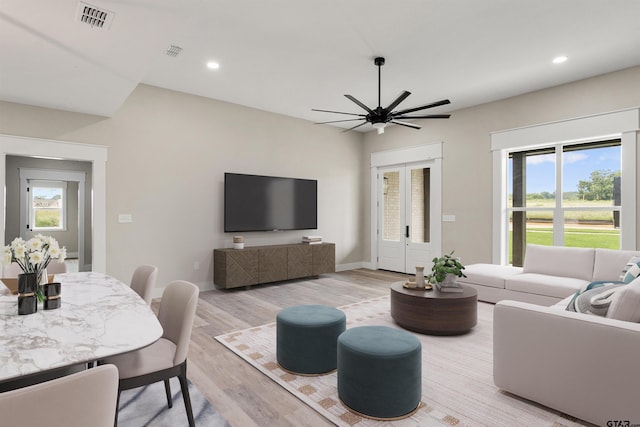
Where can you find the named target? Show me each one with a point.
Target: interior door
(408, 235)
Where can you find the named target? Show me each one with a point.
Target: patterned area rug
(457, 383)
(147, 406)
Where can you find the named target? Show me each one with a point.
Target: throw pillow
(596, 300)
(631, 270)
(588, 287)
(625, 304)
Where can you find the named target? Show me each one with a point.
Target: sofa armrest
(585, 366)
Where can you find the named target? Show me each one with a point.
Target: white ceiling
(289, 56)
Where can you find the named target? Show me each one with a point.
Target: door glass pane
(391, 227)
(420, 199)
(591, 229)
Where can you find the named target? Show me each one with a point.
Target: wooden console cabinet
(234, 268)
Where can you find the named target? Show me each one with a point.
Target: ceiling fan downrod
(379, 61)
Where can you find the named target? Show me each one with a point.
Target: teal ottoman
(306, 338)
(380, 371)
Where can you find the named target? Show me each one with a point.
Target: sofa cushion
(595, 300)
(626, 303)
(560, 261)
(631, 270)
(542, 284)
(609, 263)
(488, 274)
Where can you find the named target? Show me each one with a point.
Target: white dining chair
(143, 281)
(167, 357)
(86, 398)
(11, 271)
(56, 267)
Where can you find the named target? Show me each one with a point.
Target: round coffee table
(433, 312)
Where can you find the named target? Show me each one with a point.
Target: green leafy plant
(446, 264)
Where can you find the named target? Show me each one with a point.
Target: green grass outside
(600, 216)
(46, 218)
(574, 237)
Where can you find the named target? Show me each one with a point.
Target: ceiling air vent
(173, 51)
(94, 16)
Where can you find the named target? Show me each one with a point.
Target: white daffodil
(34, 244)
(35, 258)
(63, 254)
(6, 259)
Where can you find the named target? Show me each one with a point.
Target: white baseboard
(353, 266)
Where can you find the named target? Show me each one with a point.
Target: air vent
(173, 51)
(94, 16)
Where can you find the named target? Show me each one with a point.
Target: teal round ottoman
(306, 338)
(379, 371)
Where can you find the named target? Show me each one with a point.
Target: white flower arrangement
(35, 254)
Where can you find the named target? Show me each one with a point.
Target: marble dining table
(99, 317)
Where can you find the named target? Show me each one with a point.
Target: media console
(233, 268)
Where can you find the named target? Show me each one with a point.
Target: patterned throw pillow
(631, 270)
(593, 298)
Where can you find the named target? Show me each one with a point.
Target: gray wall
(467, 163)
(168, 152)
(167, 155)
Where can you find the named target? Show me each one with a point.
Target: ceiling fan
(379, 117)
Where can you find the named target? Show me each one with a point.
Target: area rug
(147, 406)
(457, 383)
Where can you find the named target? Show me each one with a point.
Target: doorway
(53, 202)
(407, 206)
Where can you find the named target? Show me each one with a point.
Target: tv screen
(269, 203)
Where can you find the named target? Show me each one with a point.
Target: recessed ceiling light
(213, 65)
(559, 59)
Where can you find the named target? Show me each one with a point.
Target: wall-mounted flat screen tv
(269, 203)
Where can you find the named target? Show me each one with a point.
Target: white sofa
(549, 274)
(579, 364)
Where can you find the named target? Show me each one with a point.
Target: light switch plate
(448, 218)
(125, 218)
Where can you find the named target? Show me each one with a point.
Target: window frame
(622, 125)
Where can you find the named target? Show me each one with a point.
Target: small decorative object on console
(238, 242)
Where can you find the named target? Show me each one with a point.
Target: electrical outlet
(196, 265)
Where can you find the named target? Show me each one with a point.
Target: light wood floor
(243, 395)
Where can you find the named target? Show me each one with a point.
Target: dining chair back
(11, 271)
(167, 357)
(86, 398)
(143, 281)
(56, 267)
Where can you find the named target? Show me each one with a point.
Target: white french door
(408, 216)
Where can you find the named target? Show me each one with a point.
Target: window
(47, 205)
(564, 155)
(585, 212)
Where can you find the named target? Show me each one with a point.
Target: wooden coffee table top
(434, 312)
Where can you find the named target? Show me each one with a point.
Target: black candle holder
(27, 300)
(52, 298)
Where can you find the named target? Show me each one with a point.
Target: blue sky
(578, 165)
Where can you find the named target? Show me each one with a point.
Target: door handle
(406, 232)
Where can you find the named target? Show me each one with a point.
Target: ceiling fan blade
(411, 110)
(398, 100)
(409, 125)
(356, 126)
(367, 109)
(430, 116)
(338, 112)
(335, 121)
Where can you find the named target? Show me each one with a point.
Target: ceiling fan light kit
(379, 116)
